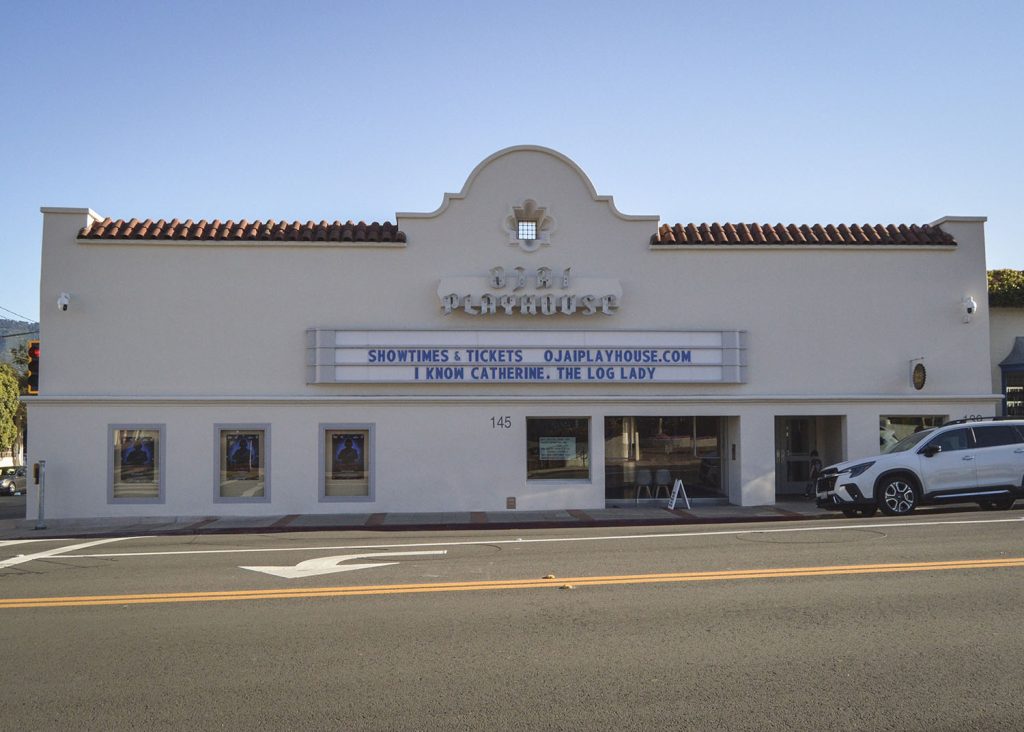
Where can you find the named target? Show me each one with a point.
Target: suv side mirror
(931, 450)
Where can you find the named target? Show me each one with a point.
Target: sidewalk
(652, 515)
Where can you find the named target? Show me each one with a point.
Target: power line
(12, 335)
(23, 317)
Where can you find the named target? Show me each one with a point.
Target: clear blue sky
(762, 111)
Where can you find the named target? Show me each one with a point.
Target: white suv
(960, 462)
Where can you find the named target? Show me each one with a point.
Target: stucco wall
(202, 318)
(190, 334)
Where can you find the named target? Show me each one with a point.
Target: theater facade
(525, 346)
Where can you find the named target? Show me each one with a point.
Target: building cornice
(959, 220)
(419, 399)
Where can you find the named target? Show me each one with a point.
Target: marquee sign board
(489, 357)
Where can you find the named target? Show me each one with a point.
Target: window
(951, 441)
(136, 466)
(527, 230)
(892, 429)
(644, 456)
(996, 436)
(557, 448)
(1014, 391)
(243, 463)
(346, 466)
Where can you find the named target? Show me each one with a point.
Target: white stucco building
(524, 346)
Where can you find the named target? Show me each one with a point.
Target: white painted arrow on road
(329, 565)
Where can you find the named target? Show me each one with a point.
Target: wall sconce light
(970, 307)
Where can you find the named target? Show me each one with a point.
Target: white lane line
(55, 552)
(555, 540)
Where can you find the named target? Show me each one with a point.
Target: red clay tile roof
(243, 231)
(795, 235)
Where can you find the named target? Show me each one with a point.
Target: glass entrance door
(794, 440)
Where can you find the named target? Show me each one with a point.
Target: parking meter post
(40, 522)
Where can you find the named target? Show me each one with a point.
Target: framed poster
(348, 450)
(138, 457)
(136, 470)
(242, 467)
(347, 462)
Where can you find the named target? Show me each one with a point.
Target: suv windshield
(908, 442)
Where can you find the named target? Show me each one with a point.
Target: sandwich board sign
(677, 490)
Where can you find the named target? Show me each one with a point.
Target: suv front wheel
(897, 495)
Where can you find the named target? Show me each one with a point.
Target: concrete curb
(23, 529)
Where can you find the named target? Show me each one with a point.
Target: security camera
(63, 301)
(970, 306)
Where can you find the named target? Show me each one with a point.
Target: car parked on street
(12, 480)
(965, 461)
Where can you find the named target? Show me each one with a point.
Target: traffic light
(33, 367)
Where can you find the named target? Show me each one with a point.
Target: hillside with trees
(14, 334)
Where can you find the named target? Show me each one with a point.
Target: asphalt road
(745, 627)
(12, 507)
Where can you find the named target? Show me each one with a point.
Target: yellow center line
(361, 590)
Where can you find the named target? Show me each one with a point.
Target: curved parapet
(516, 149)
